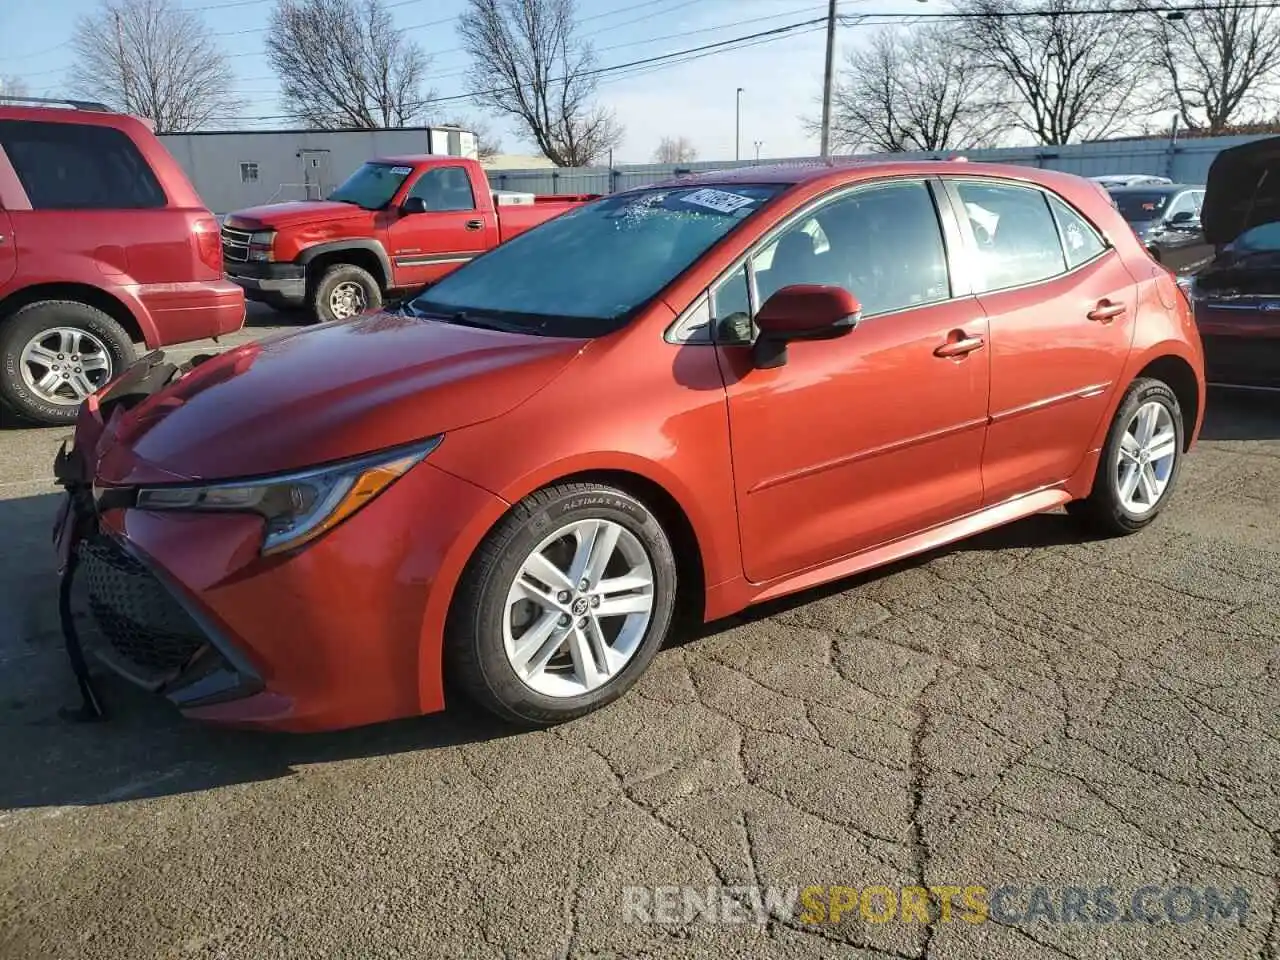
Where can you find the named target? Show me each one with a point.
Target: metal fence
(1183, 161)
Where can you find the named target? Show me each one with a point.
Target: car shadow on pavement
(145, 749)
(1041, 530)
(1231, 414)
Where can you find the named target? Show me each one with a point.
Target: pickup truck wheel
(343, 291)
(54, 353)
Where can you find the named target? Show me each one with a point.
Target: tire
(86, 327)
(1105, 510)
(338, 276)
(483, 624)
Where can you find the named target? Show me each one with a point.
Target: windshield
(1261, 239)
(597, 262)
(372, 185)
(1139, 205)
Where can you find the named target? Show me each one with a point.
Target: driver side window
(1185, 203)
(445, 189)
(882, 243)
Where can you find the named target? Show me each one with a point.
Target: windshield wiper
(467, 318)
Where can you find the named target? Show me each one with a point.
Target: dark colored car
(1166, 218)
(103, 244)
(1237, 295)
(690, 397)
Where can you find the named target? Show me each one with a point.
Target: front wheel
(344, 291)
(1139, 463)
(563, 606)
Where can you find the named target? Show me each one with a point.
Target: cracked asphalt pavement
(1027, 708)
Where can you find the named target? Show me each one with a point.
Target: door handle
(1106, 311)
(959, 347)
(475, 224)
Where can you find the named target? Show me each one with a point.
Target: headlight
(297, 507)
(260, 245)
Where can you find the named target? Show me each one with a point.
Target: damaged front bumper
(148, 631)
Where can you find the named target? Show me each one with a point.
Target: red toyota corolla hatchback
(709, 392)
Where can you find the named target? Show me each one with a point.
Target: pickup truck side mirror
(413, 205)
(802, 311)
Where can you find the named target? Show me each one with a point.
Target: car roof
(796, 172)
(1155, 187)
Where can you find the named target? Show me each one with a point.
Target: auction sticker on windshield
(402, 171)
(718, 200)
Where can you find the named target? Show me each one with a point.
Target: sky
(695, 99)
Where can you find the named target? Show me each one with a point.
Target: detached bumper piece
(148, 637)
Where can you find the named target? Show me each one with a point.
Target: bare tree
(153, 59)
(344, 64)
(527, 62)
(675, 150)
(1217, 62)
(12, 87)
(1069, 75)
(915, 90)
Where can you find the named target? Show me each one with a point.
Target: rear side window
(1016, 235)
(77, 166)
(1080, 241)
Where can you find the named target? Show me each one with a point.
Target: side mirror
(802, 312)
(1185, 219)
(413, 205)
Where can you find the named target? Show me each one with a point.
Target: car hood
(1242, 190)
(323, 394)
(294, 213)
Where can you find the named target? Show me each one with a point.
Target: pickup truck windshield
(592, 266)
(372, 185)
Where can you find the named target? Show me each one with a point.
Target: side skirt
(729, 598)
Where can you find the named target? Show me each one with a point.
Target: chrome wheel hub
(346, 300)
(1148, 451)
(578, 609)
(63, 365)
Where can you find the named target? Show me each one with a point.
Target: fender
(451, 566)
(354, 243)
(50, 286)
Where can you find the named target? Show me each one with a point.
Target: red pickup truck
(397, 224)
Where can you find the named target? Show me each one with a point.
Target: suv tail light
(208, 243)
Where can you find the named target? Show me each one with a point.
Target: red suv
(104, 243)
(697, 396)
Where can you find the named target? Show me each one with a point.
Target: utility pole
(758, 145)
(826, 79)
(737, 125)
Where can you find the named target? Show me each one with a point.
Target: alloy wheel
(578, 608)
(1148, 450)
(63, 365)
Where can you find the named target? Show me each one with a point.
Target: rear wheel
(344, 291)
(1139, 463)
(54, 353)
(563, 606)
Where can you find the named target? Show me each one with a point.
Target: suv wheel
(1139, 463)
(343, 291)
(54, 353)
(563, 605)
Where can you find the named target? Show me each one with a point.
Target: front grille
(235, 244)
(145, 626)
